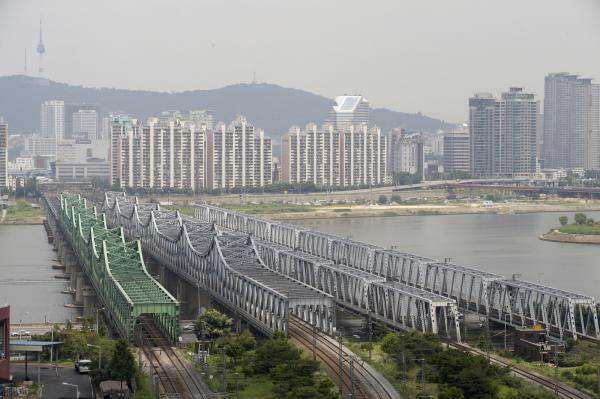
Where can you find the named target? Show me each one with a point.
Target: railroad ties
(349, 271)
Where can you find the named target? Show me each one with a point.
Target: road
(52, 380)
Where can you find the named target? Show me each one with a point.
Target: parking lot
(52, 380)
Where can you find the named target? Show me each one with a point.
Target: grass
(23, 213)
(591, 229)
(257, 209)
(144, 387)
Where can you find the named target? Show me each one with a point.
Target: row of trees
(458, 374)
(579, 219)
(292, 375)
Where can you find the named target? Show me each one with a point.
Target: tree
(122, 364)
(590, 221)
(382, 199)
(563, 220)
(396, 198)
(580, 218)
(293, 374)
(450, 393)
(273, 352)
(212, 324)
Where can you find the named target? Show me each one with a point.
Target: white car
(188, 328)
(21, 333)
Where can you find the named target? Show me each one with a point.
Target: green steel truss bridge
(115, 267)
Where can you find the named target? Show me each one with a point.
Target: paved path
(52, 380)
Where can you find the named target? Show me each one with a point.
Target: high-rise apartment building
(201, 118)
(457, 150)
(481, 134)
(353, 156)
(71, 109)
(238, 155)
(405, 153)
(503, 134)
(311, 155)
(515, 134)
(52, 120)
(164, 152)
(3, 155)
(571, 122)
(348, 111)
(85, 124)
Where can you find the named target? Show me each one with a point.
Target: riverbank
(357, 211)
(22, 213)
(557, 236)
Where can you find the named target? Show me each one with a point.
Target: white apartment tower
(571, 122)
(52, 119)
(405, 153)
(3, 155)
(348, 111)
(161, 153)
(311, 156)
(514, 150)
(238, 155)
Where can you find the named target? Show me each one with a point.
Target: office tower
(571, 122)
(52, 118)
(515, 130)
(406, 153)
(238, 155)
(481, 133)
(347, 111)
(85, 124)
(363, 156)
(457, 150)
(70, 110)
(163, 152)
(3, 155)
(311, 155)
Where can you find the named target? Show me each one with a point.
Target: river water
(27, 280)
(502, 244)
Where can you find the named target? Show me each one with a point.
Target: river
(502, 244)
(27, 280)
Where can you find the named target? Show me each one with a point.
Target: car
(83, 366)
(20, 333)
(188, 328)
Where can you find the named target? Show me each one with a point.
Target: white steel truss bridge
(404, 289)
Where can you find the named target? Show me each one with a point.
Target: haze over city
(410, 56)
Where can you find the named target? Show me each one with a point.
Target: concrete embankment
(557, 236)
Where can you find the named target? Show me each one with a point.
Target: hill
(271, 107)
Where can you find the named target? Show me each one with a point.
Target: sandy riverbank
(341, 211)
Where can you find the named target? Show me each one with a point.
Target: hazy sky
(407, 55)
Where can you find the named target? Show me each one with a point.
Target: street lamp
(73, 385)
(100, 354)
(98, 310)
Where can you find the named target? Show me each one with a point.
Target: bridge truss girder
(223, 263)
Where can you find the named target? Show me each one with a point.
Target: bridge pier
(90, 302)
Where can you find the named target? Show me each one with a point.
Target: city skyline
(395, 81)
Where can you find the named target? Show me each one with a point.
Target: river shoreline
(425, 210)
(557, 236)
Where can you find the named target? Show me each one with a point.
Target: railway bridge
(407, 290)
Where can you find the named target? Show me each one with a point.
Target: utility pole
(556, 370)
(422, 380)
(351, 377)
(314, 337)
(340, 371)
(403, 359)
(224, 370)
(370, 326)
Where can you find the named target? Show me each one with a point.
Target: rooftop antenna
(41, 50)
(25, 65)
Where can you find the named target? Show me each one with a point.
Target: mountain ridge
(279, 109)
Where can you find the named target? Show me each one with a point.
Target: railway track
(365, 382)
(175, 378)
(564, 391)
